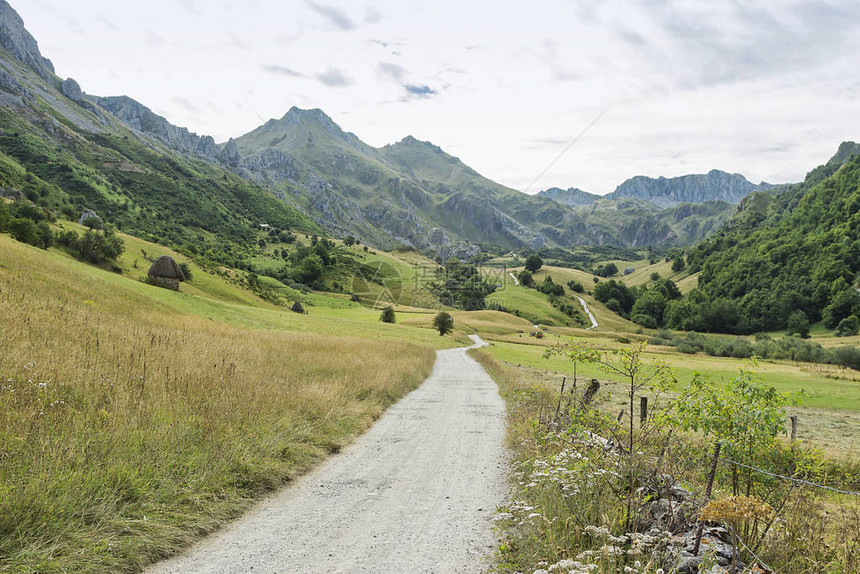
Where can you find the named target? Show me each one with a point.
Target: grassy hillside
(137, 418)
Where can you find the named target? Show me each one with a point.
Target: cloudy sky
(763, 88)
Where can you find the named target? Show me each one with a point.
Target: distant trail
(514, 277)
(587, 312)
(416, 493)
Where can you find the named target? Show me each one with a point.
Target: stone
(72, 90)
(229, 155)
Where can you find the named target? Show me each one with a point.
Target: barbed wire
(775, 475)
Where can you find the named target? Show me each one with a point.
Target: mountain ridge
(409, 193)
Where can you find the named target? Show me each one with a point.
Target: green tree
(24, 230)
(443, 322)
(575, 286)
(387, 315)
(349, 241)
(848, 326)
(549, 287)
(525, 278)
(798, 324)
(310, 269)
(533, 262)
(678, 264)
(648, 309)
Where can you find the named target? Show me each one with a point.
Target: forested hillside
(792, 258)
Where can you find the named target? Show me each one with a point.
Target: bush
(444, 323)
(848, 326)
(575, 286)
(847, 357)
(549, 287)
(23, 230)
(525, 278)
(186, 270)
(387, 315)
(93, 222)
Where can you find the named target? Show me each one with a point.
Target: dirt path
(416, 493)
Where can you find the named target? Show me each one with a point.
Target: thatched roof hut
(166, 273)
(298, 308)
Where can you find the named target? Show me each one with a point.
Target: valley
(313, 392)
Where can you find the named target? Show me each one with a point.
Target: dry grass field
(130, 427)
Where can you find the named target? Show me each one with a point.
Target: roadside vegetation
(601, 491)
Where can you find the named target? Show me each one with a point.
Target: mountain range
(304, 169)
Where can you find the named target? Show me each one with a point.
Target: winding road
(416, 493)
(587, 312)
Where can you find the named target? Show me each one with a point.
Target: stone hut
(166, 273)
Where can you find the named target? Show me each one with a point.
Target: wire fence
(773, 474)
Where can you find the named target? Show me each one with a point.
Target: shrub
(847, 357)
(848, 326)
(93, 222)
(525, 278)
(575, 286)
(23, 230)
(549, 287)
(186, 270)
(444, 323)
(387, 315)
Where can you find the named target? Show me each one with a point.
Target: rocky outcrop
(139, 117)
(572, 196)
(846, 151)
(10, 83)
(229, 155)
(72, 90)
(669, 192)
(15, 38)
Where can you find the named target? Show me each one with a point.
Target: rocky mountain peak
(572, 196)
(15, 38)
(699, 188)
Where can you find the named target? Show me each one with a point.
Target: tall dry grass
(126, 431)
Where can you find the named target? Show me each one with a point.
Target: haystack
(166, 273)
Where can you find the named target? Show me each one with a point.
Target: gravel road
(416, 493)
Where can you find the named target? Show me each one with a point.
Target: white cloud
(767, 89)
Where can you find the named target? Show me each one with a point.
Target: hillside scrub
(129, 430)
(571, 507)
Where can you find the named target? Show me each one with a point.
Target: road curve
(416, 493)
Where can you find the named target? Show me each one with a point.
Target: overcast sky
(766, 89)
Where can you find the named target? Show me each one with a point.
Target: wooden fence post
(643, 410)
